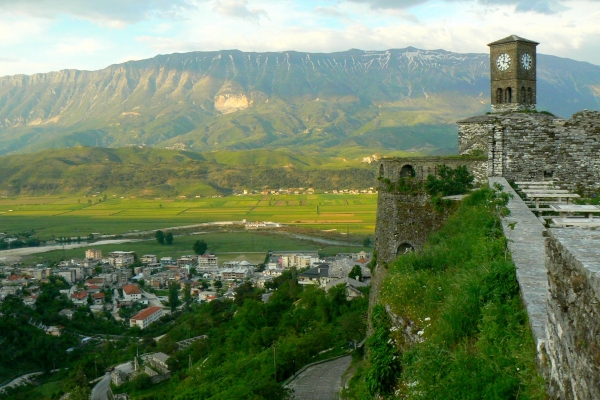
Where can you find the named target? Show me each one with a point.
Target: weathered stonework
(573, 328)
(404, 221)
(537, 146)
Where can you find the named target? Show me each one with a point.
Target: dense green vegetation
(158, 172)
(472, 332)
(300, 324)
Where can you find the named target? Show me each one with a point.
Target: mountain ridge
(397, 99)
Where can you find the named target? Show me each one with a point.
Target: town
(127, 292)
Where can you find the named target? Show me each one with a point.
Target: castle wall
(537, 146)
(573, 329)
(404, 221)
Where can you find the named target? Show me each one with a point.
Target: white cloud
(79, 46)
(238, 9)
(9, 60)
(115, 12)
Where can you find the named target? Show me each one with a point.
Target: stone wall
(573, 328)
(404, 221)
(537, 146)
(394, 168)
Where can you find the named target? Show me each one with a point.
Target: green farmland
(79, 216)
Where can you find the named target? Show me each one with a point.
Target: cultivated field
(80, 216)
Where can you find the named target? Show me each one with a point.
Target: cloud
(328, 11)
(238, 9)
(536, 6)
(108, 11)
(9, 60)
(86, 45)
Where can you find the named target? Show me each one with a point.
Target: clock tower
(513, 74)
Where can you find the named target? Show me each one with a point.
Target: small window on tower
(529, 96)
(523, 95)
(508, 95)
(499, 96)
(548, 174)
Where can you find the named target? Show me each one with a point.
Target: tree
(187, 294)
(169, 238)
(160, 237)
(367, 242)
(356, 273)
(218, 284)
(173, 295)
(199, 247)
(451, 181)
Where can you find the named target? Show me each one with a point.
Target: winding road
(321, 381)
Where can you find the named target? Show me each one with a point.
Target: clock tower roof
(513, 38)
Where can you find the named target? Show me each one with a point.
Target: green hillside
(159, 172)
(318, 103)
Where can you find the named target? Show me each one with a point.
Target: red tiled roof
(79, 295)
(14, 277)
(362, 261)
(131, 289)
(99, 295)
(93, 287)
(142, 315)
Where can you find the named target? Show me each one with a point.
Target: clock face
(503, 62)
(526, 61)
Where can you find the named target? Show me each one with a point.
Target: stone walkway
(322, 381)
(528, 252)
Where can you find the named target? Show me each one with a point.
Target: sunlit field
(80, 216)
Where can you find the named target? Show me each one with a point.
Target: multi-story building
(146, 317)
(187, 261)
(68, 274)
(93, 254)
(208, 262)
(148, 259)
(121, 259)
(132, 293)
(230, 274)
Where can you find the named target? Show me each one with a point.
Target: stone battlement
(537, 146)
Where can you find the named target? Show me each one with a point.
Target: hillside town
(123, 280)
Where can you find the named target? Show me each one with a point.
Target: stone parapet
(573, 330)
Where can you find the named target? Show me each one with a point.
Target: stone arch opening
(404, 248)
(529, 96)
(381, 170)
(523, 95)
(508, 95)
(499, 96)
(407, 171)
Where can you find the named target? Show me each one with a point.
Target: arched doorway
(499, 96)
(407, 171)
(404, 248)
(508, 95)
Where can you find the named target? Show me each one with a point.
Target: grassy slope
(463, 297)
(155, 172)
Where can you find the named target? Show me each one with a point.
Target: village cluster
(124, 279)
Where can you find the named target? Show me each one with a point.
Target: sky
(49, 35)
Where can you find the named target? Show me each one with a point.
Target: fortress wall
(573, 328)
(537, 146)
(404, 221)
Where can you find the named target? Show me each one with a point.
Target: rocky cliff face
(238, 100)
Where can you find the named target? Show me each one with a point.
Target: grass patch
(463, 297)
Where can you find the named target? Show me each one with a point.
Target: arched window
(381, 170)
(529, 96)
(407, 171)
(499, 96)
(508, 95)
(404, 248)
(523, 95)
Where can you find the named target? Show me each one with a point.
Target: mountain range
(351, 103)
